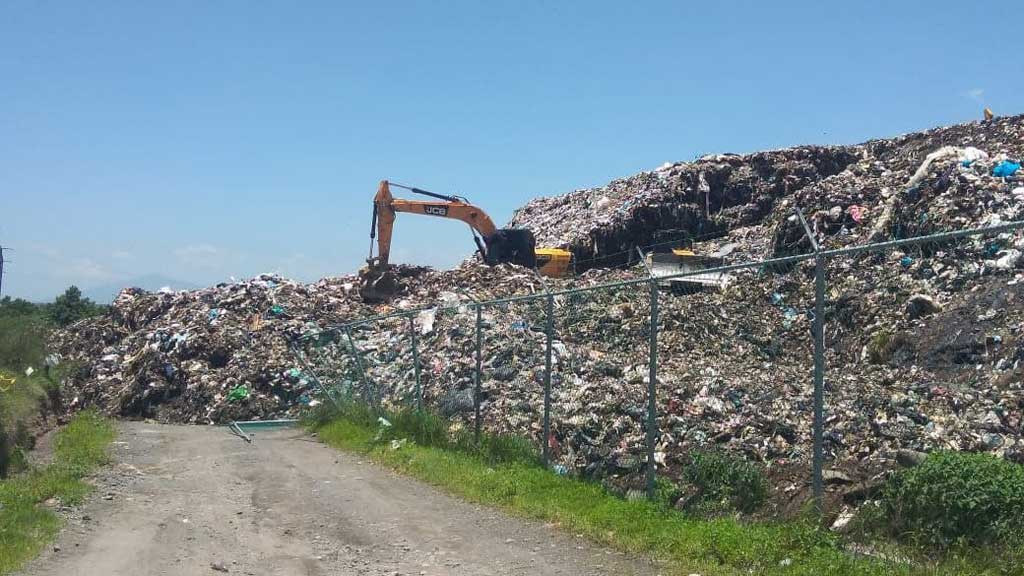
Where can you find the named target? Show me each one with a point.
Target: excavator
(496, 246)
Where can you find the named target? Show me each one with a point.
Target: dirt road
(197, 500)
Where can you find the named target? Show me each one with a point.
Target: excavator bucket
(377, 284)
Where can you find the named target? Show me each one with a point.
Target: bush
(725, 481)
(22, 342)
(957, 498)
(667, 492)
(23, 333)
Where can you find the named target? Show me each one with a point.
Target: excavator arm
(385, 206)
(496, 246)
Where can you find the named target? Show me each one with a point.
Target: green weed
(25, 526)
(425, 428)
(725, 482)
(955, 498)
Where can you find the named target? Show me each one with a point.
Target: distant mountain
(106, 293)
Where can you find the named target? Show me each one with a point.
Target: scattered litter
(1005, 169)
(238, 393)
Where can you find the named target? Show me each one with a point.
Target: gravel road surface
(197, 500)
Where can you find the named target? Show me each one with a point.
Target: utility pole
(2, 269)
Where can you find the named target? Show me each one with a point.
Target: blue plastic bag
(1005, 169)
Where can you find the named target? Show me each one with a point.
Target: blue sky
(214, 139)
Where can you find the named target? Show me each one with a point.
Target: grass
(426, 429)
(26, 526)
(723, 546)
(22, 400)
(23, 332)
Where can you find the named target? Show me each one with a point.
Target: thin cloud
(976, 94)
(204, 256)
(87, 269)
(47, 251)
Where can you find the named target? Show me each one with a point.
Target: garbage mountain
(924, 346)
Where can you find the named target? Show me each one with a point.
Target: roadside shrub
(424, 428)
(726, 481)
(667, 492)
(499, 448)
(957, 498)
(22, 342)
(84, 442)
(6, 452)
(350, 409)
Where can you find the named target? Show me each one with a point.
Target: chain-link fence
(820, 356)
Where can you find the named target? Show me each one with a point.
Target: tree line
(65, 309)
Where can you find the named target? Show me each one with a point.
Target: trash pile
(924, 345)
(228, 352)
(941, 179)
(735, 369)
(205, 356)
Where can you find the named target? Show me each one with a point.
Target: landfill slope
(924, 345)
(227, 352)
(719, 195)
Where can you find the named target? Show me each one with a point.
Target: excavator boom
(496, 246)
(385, 206)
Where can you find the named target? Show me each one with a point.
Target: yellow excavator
(496, 246)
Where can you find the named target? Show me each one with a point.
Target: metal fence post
(818, 332)
(652, 386)
(359, 364)
(819, 375)
(477, 375)
(416, 364)
(549, 330)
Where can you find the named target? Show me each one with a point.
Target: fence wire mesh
(512, 397)
(735, 372)
(922, 349)
(599, 384)
(324, 360)
(569, 365)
